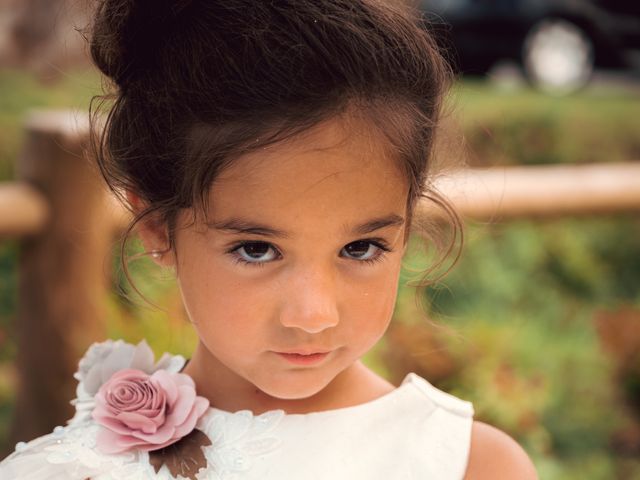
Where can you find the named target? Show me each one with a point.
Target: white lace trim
(236, 439)
(70, 453)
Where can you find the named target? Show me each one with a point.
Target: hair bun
(127, 34)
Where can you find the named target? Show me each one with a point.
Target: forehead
(341, 166)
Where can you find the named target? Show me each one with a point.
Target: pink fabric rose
(146, 412)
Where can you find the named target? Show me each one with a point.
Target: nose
(310, 302)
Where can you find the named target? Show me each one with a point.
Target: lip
(299, 358)
(304, 351)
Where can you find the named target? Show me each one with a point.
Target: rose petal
(156, 416)
(163, 434)
(179, 379)
(151, 412)
(109, 442)
(166, 382)
(184, 379)
(128, 442)
(101, 403)
(151, 446)
(136, 421)
(129, 396)
(201, 405)
(118, 359)
(130, 374)
(176, 364)
(158, 402)
(190, 422)
(170, 363)
(179, 412)
(92, 380)
(143, 357)
(145, 411)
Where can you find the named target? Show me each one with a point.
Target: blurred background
(538, 324)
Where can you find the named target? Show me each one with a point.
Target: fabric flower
(103, 359)
(146, 412)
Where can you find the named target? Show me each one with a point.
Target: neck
(228, 391)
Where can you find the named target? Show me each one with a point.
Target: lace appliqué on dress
(68, 453)
(232, 444)
(236, 439)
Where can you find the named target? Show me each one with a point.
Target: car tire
(558, 56)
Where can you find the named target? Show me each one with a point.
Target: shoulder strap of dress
(442, 399)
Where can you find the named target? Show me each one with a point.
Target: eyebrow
(242, 226)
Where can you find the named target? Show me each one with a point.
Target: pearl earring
(156, 254)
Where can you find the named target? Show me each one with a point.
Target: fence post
(62, 271)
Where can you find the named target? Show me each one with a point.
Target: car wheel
(558, 56)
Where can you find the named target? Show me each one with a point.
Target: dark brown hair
(201, 82)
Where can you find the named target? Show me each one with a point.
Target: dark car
(557, 42)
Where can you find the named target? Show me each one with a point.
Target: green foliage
(8, 290)
(527, 127)
(20, 93)
(574, 264)
(525, 296)
(8, 285)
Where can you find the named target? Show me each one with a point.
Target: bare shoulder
(495, 455)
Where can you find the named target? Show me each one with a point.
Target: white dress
(414, 432)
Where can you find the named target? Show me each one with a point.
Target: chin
(295, 387)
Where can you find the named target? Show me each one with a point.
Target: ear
(153, 232)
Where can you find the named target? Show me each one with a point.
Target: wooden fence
(66, 223)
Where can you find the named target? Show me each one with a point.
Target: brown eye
(361, 250)
(256, 252)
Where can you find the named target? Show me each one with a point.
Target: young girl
(273, 153)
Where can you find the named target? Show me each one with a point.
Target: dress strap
(442, 399)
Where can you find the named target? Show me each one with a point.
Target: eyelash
(376, 242)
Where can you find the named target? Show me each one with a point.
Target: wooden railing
(67, 223)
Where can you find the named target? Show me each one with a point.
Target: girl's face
(300, 252)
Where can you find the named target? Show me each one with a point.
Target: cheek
(220, 304)
(371, 303)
